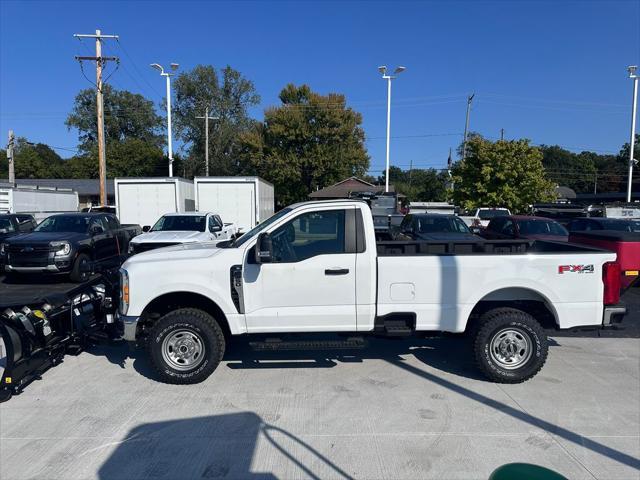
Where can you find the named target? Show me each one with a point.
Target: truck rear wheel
(510, 346)
(185, 346)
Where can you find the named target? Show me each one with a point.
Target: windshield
(492, 213)
(186, 223)
(442, 224)
(541, 227)
(256, 230)
(64, 223)
(5, 224)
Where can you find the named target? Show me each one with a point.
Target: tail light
(611, 278)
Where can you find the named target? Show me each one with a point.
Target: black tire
(77, 274)
(510, 346)
(200, 331)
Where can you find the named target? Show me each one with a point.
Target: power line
(124, 50)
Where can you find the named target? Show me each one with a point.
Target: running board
(277, 344)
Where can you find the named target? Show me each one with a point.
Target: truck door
(101, 237)
(311, 283)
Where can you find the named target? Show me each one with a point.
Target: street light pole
(383, 70)
(632, 74)
(174, 67)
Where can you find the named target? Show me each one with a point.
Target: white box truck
(143, 201)
(40, 202)
(245, 201)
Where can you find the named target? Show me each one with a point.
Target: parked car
(597, 224)
(67, 243)
(434, 226)
(624, 243)
(12, 224)
(181, 228)
(316, 267)
(525, 227)
(483, 216)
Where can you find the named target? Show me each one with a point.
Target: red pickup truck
(625, 244)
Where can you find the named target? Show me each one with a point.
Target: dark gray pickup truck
(66, 243)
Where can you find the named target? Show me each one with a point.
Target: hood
(190, 251)
(168, 237)
(449, 236)
(46, 237)
(6, 235)
(550, 238)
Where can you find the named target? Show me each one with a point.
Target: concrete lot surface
(399, 409)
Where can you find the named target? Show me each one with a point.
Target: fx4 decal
(575, 269)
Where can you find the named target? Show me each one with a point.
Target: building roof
(84, 186)
(345, 187)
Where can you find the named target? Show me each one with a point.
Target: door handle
(336, 271)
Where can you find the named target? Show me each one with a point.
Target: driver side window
(309, 235)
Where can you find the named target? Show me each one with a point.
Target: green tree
(4, 165)
(126, 116)
(501, 174)
(310, 141)
(129, 158)
(228, 96)
(419, 185)
(33, 160)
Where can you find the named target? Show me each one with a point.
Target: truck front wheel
(510, 345)
(185, 346)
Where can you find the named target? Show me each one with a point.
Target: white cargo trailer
(38, 201)
(245, 201)
(142, 201)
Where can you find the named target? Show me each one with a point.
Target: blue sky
(554, 72)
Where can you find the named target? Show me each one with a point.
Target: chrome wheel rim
(183, 350)
(511, 348)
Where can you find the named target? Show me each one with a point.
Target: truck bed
(479, 247)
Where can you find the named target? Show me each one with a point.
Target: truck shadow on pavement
(446, 354)
(217, 446)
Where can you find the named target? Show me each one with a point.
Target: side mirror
(216, 228)
(96, 230)
(146, 228)
(264, 249)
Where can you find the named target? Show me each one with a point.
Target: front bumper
(129, 327)
(45, 268)
(38, 262)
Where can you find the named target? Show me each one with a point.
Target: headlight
(63, 248)
(124, 291)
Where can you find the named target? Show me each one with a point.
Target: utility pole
(595, 183)
(10, 158)
(466, 126)
(502, 134)
(410, 170)
(100, 62)
(206, 141)
(632, 74)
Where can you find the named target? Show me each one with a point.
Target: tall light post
(383, 70)
(168, 75)
(632, 74)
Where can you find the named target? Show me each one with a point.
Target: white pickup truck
(316, 267)
(484, 215)
(182, 228)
